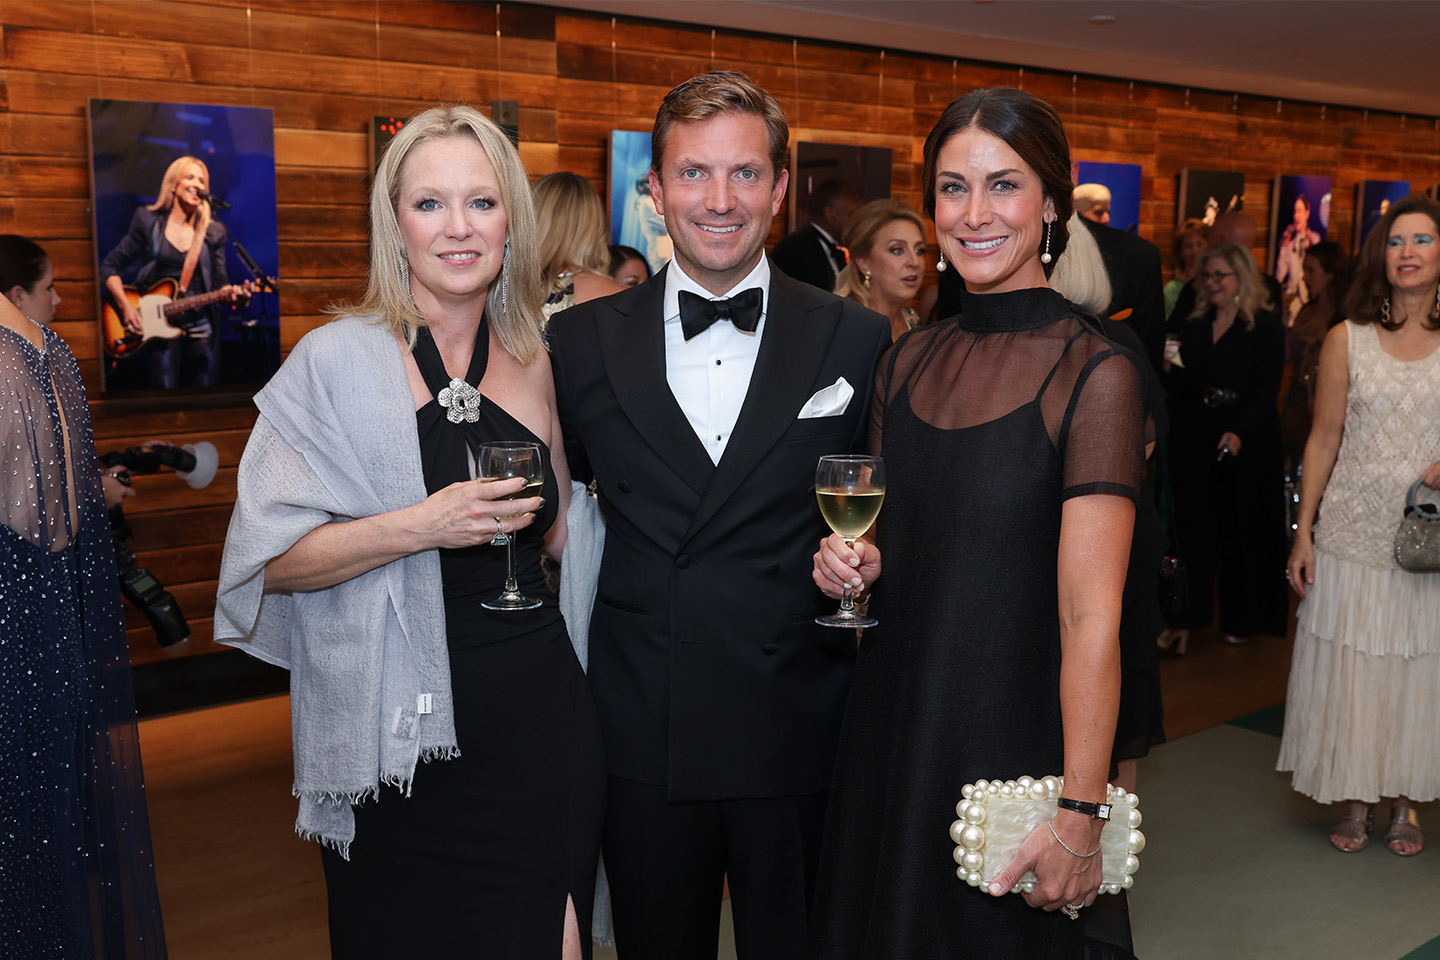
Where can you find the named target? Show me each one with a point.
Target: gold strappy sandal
(1404, 828)
(1355, 827)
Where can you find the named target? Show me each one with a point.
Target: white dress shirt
(710, 374)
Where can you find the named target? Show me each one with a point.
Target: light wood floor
(236, 883)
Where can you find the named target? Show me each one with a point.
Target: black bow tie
(743, 310)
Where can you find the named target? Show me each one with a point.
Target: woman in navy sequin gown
(77, 878)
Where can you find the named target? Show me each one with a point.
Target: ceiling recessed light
(1102, 19)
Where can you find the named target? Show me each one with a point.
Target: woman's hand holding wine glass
(465, 514)
(850, 490)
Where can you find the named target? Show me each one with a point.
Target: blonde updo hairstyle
(572, 228)
(516, 321)
(859, 237)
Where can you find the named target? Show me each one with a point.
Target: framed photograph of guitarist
(186, 246)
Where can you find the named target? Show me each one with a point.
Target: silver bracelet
(1082, 856)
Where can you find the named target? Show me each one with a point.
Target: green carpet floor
(1237, 865)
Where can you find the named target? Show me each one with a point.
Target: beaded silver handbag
(1417, 541)
(996, 817)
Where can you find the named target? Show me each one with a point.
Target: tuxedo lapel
(632, 347)
(799, 325)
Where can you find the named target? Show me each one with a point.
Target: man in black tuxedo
(1137, 286)
(813, 253)
(699, 403)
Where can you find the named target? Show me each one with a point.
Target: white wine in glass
(851, 490)
(502, 461)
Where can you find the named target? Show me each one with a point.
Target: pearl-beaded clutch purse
(996, 816)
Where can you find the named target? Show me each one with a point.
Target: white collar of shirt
(676, 280)
(820, 230)
(709, 376)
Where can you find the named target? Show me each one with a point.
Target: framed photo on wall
(867, 169)
(168, 316)
(1299, 219)
(1123, 182)
(1205, 194)
(634, 221)
(1372, 200)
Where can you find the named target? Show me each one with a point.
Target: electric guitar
(156, 306)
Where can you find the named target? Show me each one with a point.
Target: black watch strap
(1096, 811)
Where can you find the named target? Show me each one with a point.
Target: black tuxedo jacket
(708, 672)
(802, 257)
(1136, 284)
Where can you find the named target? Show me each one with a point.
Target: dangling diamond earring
(940, 265)
(1045, 257)
(404, 266)
(504, 279)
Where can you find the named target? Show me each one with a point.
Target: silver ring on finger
(1071, 910)
(499, 539)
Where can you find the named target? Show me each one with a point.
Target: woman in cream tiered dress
(1359, 721)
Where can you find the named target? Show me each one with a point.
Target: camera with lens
(196, 465)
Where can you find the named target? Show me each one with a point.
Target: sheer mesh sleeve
(1102, 438)
(880, 398)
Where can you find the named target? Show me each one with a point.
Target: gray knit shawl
(336, 441)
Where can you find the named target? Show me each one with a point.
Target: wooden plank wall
(326, 66)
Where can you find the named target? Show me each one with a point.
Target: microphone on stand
(214, 201)
(254, 267)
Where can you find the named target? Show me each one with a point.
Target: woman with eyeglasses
(1226, 456)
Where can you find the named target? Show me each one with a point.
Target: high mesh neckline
(1011, 311)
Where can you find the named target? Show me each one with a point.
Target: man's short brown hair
(720, 91)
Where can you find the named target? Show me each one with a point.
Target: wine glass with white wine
(502, 461)
(850, 490)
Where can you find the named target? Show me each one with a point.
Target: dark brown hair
(1369, 297)
(22, 263)
(720, 91)
(1031, 128)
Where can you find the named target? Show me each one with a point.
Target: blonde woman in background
(1226, 457)
(359, 558)
(574, 244)
(886, 240)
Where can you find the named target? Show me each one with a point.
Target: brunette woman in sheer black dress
(1014, 440)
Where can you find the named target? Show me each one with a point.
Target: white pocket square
(830, 402)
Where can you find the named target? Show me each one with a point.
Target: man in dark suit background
(812, 254)
(699, 403)
(1136, 284)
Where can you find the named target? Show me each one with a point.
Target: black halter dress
(987, 422)
(478, 860)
